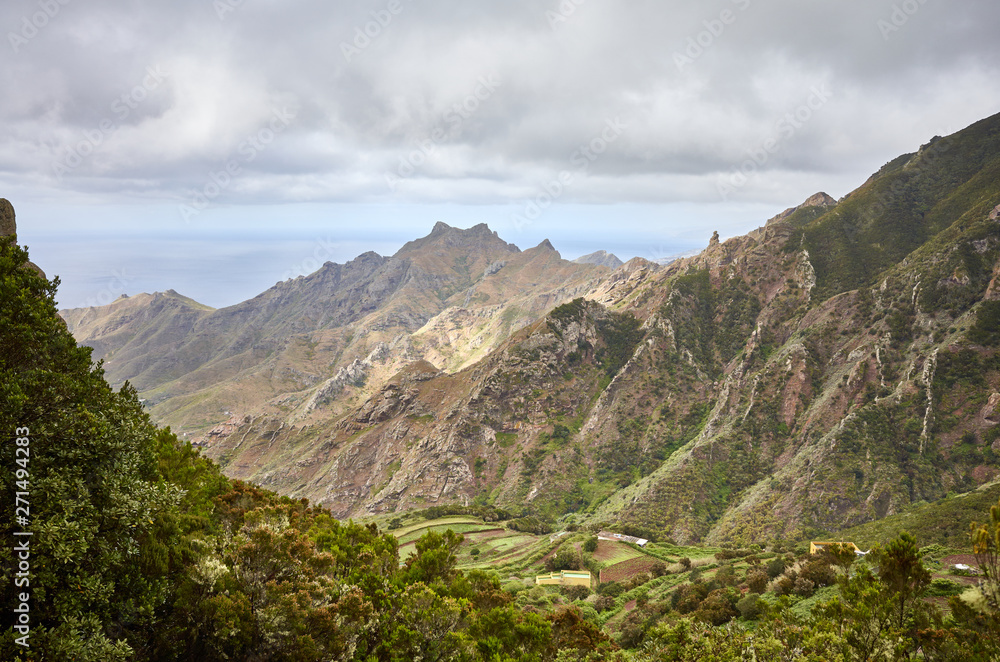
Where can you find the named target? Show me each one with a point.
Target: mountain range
(827, 369)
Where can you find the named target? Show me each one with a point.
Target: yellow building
(817, 546)
(564, 578)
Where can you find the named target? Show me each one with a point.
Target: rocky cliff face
(8, 228)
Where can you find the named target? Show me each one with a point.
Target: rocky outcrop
(8, 228)
(7, 224)
(354, 374)
(816, 200)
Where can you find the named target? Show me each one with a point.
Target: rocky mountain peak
(816, 200)
(602, 258)
(478, 237)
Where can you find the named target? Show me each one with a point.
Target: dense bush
(750, 606)
(529, 525)
(757, 580)
(718, 607)
(565, 558)
(775, 567)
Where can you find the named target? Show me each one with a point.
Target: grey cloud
(560, 77)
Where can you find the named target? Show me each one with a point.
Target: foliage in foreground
(879, 614)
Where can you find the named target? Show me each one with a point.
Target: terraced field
(610, 552)
(507, 552)
(625, 570)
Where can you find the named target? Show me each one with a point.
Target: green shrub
(750, 606)
(942, 587)
(775, 567)
(757, 580)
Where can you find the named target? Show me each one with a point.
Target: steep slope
(841, 406)
(511, 295)
(327, 337)
(429, 436)
(745, 393)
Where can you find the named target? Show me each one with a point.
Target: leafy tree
(775, 567)
(565, 558)
(986, 546)
(904, 574)
(718, 607)
(751, 606)
(840, 555)
(570, 631)
(508, 634)
(757, 580)
(91, 472)
(434, 560)
(863, 616)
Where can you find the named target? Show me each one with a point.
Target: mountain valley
(827, 369)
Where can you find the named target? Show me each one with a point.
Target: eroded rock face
(8, 227)
(7, 224)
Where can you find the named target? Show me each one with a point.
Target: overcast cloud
(614, 110)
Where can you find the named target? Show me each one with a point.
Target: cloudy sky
(217, 146)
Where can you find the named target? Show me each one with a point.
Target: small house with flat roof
(621, 537)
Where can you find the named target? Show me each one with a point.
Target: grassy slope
(945, 522)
